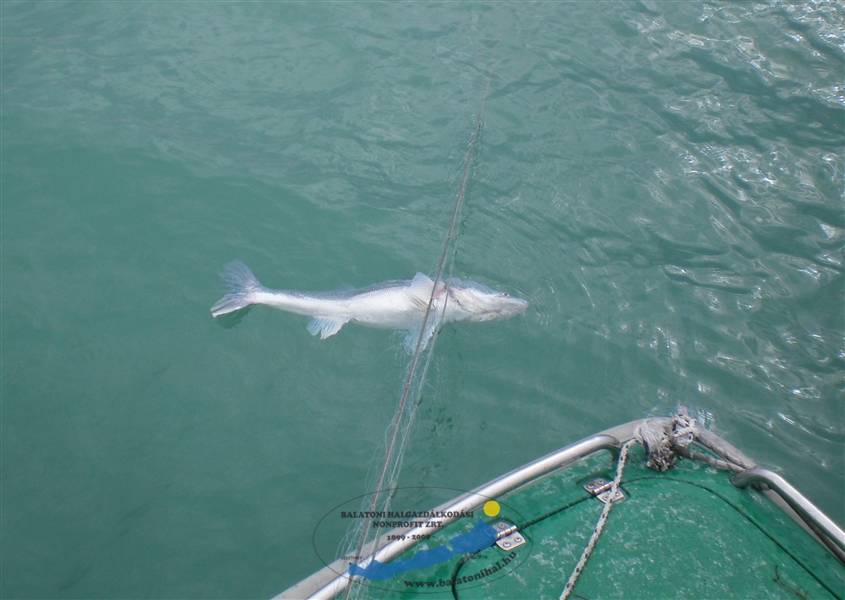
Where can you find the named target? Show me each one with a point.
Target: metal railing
(464, 503)
(819, 522)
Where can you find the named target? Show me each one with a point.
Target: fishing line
(400, 427)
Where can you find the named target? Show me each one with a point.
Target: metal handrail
(805, 509)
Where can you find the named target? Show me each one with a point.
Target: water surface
(662, 181)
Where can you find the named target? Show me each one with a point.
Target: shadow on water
(232, 319)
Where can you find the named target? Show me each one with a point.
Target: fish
(400, 305)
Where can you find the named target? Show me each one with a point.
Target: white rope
(716, 463)
(588, 550)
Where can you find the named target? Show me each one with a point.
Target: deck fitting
(508, 537)
(600, 488)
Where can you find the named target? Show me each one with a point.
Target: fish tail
(242, 286)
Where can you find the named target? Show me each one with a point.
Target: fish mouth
(503, 307)
(513, 306)
(478, 303)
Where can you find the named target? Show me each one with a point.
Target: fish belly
(390, 309)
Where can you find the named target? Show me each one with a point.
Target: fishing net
(361, 541)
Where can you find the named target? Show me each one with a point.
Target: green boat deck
(686, 533)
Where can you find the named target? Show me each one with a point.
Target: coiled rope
(588, 549)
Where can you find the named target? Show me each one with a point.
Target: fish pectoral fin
(326, 327)
(410, 341)
(413, 337)
(420, 303)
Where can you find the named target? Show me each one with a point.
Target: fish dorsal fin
(421, 280)
(413, 336)
(420, 290)
(326, 327)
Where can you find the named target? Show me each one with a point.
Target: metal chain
(588, 550)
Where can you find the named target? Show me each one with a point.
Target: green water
(662, 181)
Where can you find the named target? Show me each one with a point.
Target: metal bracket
(600, 488)
(507, 536)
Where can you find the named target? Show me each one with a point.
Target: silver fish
(389, 305)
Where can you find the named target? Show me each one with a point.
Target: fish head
(471, 301)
